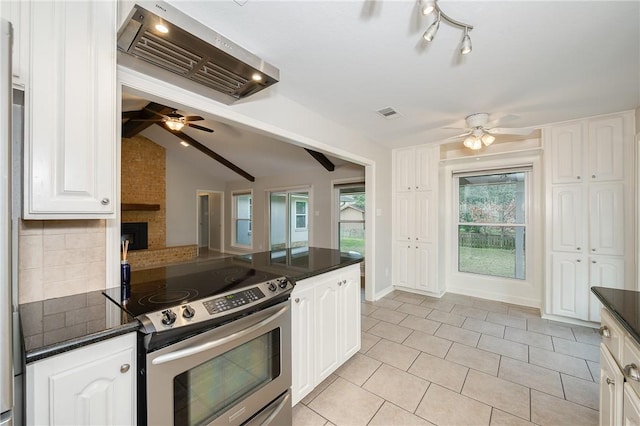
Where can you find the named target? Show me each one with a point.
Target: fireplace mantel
(128, 207)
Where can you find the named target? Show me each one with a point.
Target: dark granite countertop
(54, 326)
(624, 305)
(298, 264)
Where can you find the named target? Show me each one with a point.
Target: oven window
(206, 391)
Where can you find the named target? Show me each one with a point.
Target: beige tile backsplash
(60, 258)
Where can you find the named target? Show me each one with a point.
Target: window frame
(526, 224)
(305, 215)
(235, 219)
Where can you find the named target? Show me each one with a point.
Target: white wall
(183, 184)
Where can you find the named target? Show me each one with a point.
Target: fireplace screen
(136, 233)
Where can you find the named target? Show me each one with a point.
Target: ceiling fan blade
(193, 118)
(511, 131)
(455, 128)
(458, 136)
(153, 120)
(503, 119)
(131, 114)
(156, 113)
(195, 126)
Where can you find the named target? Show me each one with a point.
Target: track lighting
(432, 30)
(431, 6)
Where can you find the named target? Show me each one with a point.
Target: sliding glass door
(288, 219)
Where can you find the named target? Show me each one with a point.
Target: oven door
(226, 375)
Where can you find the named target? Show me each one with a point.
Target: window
(351, 211)
(301, 215)
(492, 223)
(241, 202)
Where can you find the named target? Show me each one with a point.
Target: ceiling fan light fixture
(488, 139)
(432, 30)
(174, 124)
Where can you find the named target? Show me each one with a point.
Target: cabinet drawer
(611, 335)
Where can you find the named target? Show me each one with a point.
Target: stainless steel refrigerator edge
(6, 298)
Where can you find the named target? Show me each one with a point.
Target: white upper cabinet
(606, 150)
(17, 12)
(70, 149)
(567, 153)
(414, 169)
(607, 232)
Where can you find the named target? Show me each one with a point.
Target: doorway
(288, 219)
(210, 221)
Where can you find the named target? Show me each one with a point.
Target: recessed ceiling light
(183, 143)
(162, 28)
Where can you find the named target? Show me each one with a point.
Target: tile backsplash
(60, 257)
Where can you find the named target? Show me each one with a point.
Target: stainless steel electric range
(216, 344)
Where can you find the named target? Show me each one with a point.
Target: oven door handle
(183, 353)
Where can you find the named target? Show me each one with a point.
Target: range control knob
(168, 317)
(272, 287)
(188, 312)
(282, 283)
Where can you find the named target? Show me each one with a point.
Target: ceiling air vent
(158, 43)
(388, 113)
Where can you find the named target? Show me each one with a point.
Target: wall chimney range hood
(159, 40)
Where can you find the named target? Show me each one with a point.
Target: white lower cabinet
(619, 375)
(414, 266)
(325, 326)
(92, 385)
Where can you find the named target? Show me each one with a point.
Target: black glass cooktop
(161, 288)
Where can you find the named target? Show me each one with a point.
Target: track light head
(466, 47)
(428, 6)
(432, 30)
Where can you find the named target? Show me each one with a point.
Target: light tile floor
(459, 360)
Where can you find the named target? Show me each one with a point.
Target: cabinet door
(17, 12)
(603, 272)
(606, 149)
(404, 217)
(404, 264)
(327, 332)
(631, 407)
(570, 292)
(606, 205)
(404, 170)
(350, 312)
(93, 385)
(611, 385)
(302, 341)
(567, 153)
(425, 268)
(70, 147)
(424, 164)
(568, 218)
(423, 217)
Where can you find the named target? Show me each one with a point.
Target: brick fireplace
(143, 200)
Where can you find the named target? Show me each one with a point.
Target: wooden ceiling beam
(322, 159)
(202, 148)
(132, 128)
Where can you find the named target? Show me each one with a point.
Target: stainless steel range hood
(192, 51)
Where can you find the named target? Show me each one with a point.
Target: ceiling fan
(172, 120)
(480, 131)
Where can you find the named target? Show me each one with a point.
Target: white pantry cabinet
(590, 185)
(92, 385)
(325, 326)
(70, 146)
(415, 218)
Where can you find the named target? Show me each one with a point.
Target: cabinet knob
(297, 300)
(578, 248)
(577, 177)
(604, 331)
(408, 238)
(416, 186)
(593, 249)
(124, 368)
(409, 188)
(593, 261)
(631, 372)
(105, 201)
(579, 261)
(593, 176)
(610, 381)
